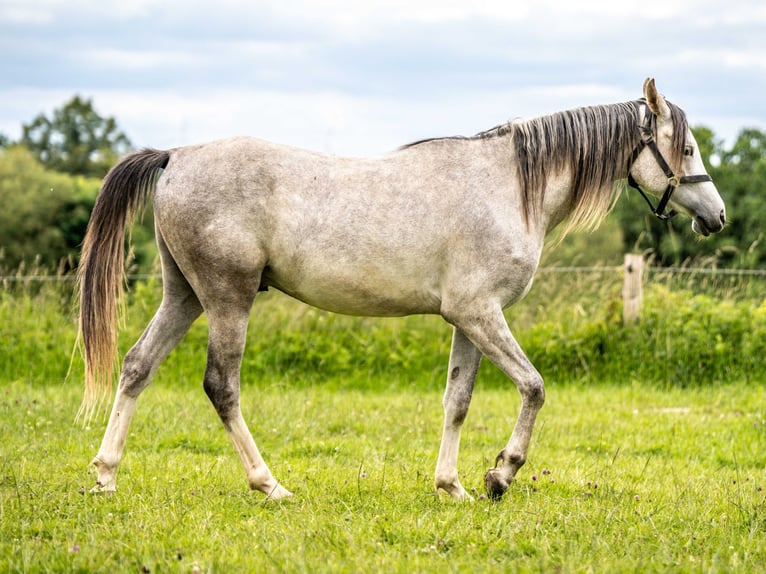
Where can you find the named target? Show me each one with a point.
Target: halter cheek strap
(647, 141)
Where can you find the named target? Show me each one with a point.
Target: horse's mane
(593, 143)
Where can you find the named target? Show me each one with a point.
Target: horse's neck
(569, 161)
(558, 202)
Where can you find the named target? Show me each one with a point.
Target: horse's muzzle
(706, 227)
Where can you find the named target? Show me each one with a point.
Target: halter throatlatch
(647, 141)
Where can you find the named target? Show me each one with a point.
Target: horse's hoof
(108, 488)
(279, 492)
(455, 494)
(495, 484)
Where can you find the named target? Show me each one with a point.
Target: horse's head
(667, 164)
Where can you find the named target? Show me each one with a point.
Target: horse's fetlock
(106, 471)
(261, 479)
(103, 464)
(514, 460)
(446, 481)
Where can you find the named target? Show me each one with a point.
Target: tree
(35, 204)
(45, 214)
(76, 140)
(741, 179)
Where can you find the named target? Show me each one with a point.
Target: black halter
(647, 140)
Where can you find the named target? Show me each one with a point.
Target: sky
(362, 77)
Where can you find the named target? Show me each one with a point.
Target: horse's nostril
(723, 217)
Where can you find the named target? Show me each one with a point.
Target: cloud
(358, 77)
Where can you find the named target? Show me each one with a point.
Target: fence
(635, 273)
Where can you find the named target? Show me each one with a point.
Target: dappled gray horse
(451, 226)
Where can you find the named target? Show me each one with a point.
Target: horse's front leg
(488, 330)
(463, 364)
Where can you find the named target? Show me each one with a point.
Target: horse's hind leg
(228, 326)
(178, 310)
(464, 361)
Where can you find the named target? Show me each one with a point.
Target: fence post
(632, 288)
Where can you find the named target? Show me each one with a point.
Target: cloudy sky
(360, 77)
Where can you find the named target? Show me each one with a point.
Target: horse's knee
(533, 392)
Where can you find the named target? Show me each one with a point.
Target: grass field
(649, 455)
(620, 478)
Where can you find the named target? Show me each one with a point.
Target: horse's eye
(689, 150)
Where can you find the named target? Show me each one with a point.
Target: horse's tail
(101, 269)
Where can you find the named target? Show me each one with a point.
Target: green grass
(648, 456)
(620, 478)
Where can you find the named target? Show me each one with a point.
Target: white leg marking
(258, 474)
(110, 453)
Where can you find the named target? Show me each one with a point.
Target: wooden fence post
(632, 288)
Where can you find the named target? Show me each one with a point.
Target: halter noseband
(647, 140)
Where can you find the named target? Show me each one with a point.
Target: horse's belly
(361, 294)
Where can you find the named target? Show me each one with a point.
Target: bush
(45, 215)
(682, 339)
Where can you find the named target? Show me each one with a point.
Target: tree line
(49, 180)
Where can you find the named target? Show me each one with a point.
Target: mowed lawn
(621, 478)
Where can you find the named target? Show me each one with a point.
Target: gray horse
(450, 226)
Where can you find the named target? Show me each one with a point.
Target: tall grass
(694, 330)
(37, 325)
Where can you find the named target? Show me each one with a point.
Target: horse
(453, 226)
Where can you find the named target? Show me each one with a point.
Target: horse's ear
(656, 102)
(646, 83)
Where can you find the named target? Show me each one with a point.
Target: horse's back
(362, 236)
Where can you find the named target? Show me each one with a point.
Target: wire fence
(65, 278)
(659, 270)
(583, 270)
(42, 278)
(721, 282)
